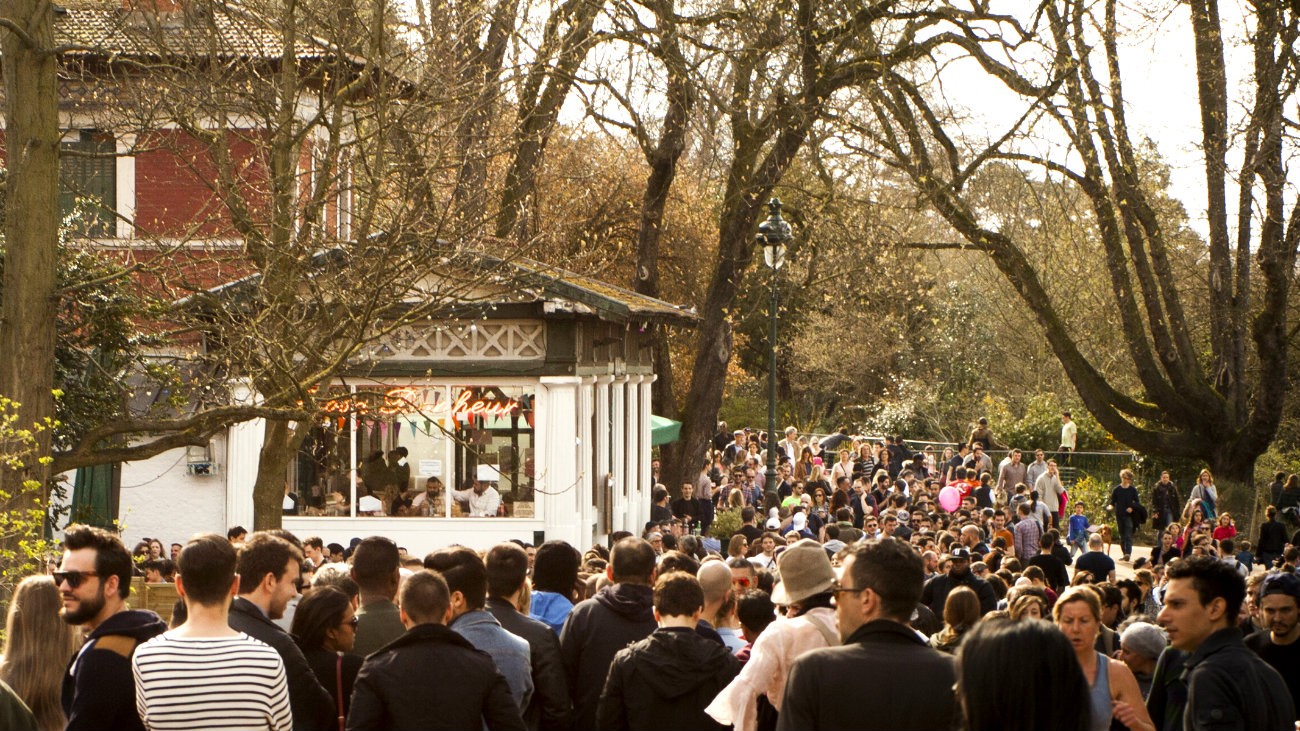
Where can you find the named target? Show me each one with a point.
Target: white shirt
(773, 654)
(480, 506)
(1069, 434)
(427, 505)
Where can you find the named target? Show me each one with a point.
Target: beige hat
(805, 570)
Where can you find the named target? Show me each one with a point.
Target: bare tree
(311, 148)
(1224, 407)
(784, 70)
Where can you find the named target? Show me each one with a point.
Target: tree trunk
(29, 302)
(272, 468)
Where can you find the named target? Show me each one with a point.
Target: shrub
(725, 523)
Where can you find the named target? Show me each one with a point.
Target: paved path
(1124, 569)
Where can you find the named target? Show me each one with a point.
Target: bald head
(715, 580)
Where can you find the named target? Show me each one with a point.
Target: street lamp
(773, 235)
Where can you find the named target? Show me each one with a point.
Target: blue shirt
(1078, 527)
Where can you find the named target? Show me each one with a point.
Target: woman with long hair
(38, 644)
(1028, 605)
(1207, 494)
(738, 547)
(961, 610)
(325, 627)
(1225, 528)
(803, 467)
(1112, 689)
(1196, 524)
(1050, 690)
(863, 463)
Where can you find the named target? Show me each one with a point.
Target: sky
(1159, 75)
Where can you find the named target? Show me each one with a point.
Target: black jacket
(99, 687)
(885, 677)
(548, 708)
(313, 707)
(595, 631)
(1228, 686)
(1168, 694)
(1272, 539)
(325, 664)
(935, 593)
(664, 682)
(462, 689)
(1164, 499)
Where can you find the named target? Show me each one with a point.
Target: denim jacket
(510, 652)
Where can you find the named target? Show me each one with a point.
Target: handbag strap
(338, 686)
(826, 632)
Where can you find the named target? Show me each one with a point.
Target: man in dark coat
(1228, 686)
(601, 626)
(269, 567)
(935, 593)
(883, 666)
(507, 571)
(95, 581)
(666, 680)
(470, 693)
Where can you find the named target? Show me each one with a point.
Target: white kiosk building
(544, 400)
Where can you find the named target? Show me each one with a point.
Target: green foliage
(22, 529)
(745, 404)
(1094, 493)
(1037, 423)
(1027, 422)
(725, 524)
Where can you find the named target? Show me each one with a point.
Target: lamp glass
(774, 255)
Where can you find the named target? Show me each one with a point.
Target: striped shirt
(211, 682)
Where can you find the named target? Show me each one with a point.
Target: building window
(88, 184)
(419, 451)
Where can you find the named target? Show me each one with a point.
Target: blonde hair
(38, 644)
(1085, 594)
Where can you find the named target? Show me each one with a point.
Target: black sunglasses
(74, 578)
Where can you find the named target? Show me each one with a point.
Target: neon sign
(420, 400)
(465, 405)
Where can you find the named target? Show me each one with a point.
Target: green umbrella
(664, 431)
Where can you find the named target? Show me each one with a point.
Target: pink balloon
(950, 499)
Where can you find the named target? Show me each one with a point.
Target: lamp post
(773, 235)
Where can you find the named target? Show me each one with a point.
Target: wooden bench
(159, 598)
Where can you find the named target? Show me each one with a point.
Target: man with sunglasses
(95, 580)
(883, 665)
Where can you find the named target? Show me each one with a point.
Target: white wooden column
(643, 428)
(632, 466)
(618, 441)
(559, 471)
(243, 446)
(601, 477)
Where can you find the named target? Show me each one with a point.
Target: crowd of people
(859, 597)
